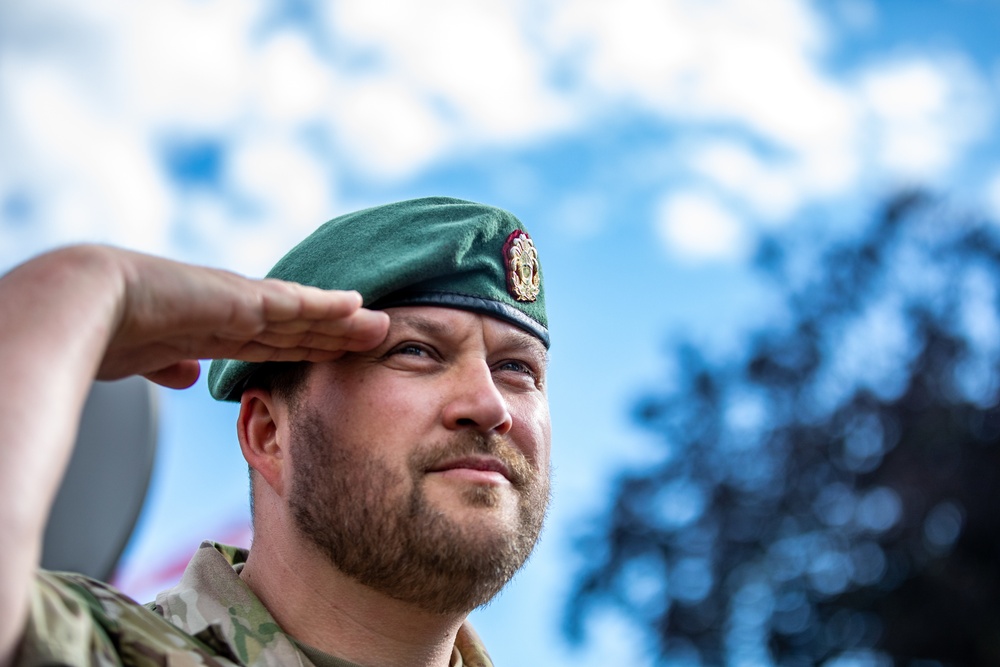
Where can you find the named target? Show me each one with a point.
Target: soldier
(399, 453)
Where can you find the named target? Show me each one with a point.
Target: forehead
(452, 322)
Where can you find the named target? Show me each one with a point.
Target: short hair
(284, 379)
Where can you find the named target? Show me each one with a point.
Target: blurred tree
(833, 496)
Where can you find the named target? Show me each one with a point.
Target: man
(399, 454)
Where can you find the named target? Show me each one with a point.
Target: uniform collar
(213, 603)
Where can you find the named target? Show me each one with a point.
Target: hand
(173, 314)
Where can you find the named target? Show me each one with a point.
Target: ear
(262, 428)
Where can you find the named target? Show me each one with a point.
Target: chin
(483, 496)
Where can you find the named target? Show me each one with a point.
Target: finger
(284, 307)
(283, 301)
(360, 318)
(365, 326)
(259, 353)
(180, 375)
(314, 341)
(362, 331)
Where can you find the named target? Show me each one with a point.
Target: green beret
(436, 251)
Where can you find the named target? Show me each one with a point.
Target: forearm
(57, 314)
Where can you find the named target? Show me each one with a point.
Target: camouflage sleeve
(61, 628)
(74, 621)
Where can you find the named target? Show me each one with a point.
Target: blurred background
(766, 232)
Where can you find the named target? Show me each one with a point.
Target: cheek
(391, 413)
(400, 409)
(532, 432)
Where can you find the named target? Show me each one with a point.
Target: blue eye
(410, 349)
(516, 367)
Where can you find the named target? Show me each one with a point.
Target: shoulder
(75, 620)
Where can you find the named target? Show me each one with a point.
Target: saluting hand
(173, 314)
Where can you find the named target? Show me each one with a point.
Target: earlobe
(262, 439)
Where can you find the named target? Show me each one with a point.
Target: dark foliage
(833, 496)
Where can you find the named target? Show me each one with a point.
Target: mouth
(482, 469)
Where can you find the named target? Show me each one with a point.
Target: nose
(476, 403)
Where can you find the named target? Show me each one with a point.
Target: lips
(480, 463)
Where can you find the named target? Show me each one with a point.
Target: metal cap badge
(523, 277)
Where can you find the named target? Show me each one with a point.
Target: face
(421, 468)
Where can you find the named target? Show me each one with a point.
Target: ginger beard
(375, 524)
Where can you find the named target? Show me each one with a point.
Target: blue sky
(646, 144)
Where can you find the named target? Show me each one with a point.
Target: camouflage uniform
(210, 618)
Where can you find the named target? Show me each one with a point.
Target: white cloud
(695, 226)
(94, 175)
(85, 109)
(472, 63)
(218, 239)
(756, 66)
(291, 83)
(388, 128)
(186, 63)
(760, 69)
(736, 60)
(222, 237)
(288, 185)
(632, 48)
(924, 112)
(772, 190)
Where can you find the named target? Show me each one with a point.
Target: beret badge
(521, 257)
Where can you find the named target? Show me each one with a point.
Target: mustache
(470, 443)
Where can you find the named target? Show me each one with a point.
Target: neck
(320, 606)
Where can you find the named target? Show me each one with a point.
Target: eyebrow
(424, 325)
(525, 341)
